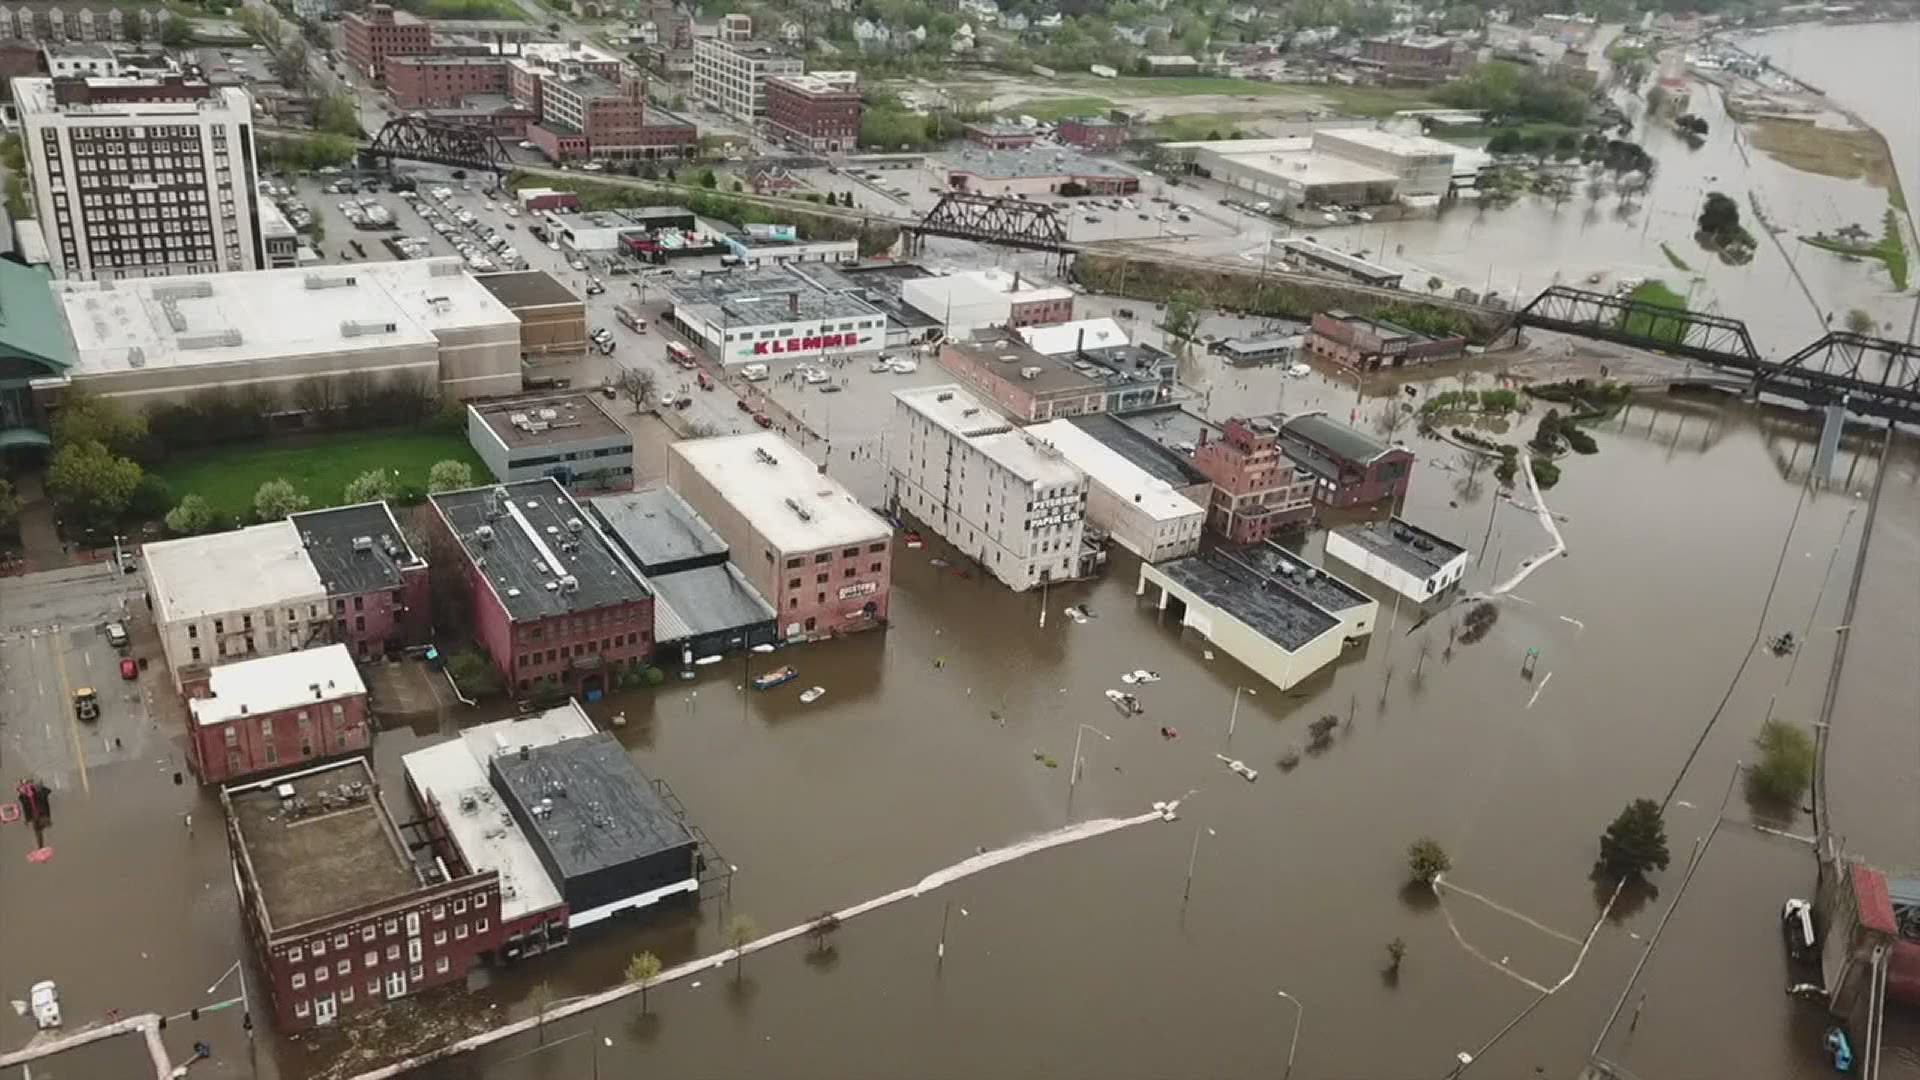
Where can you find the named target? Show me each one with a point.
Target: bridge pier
(1831, 428)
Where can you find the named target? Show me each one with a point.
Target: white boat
(1142, 675)
(812, 694)
(46, 1004)
(1299, 371)
(1126, 703)
(705, 660)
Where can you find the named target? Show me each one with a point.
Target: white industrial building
(155, 341)
(1278, 632)
(1355, 166)
(1143, 514)
(1001, 496)
(570, 437)
(1402, 556)
(1074, 337)
(135, 177)
(732, 75)
(228, 596)
(977, 299)
(762, 315)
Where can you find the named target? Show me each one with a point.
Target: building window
(416, 974)
(320, 974)
(460, 906)
(440, 965)
(343, 967)
(372, 959)
(319, 947)
(346, 994)
(439, 937)
(393, 952)
(793, 583)
(300, 1007)
(299, 980)
(876, 548)
(295, 954)
(373, 986)
(875, 568)
(392, 927)
(479, 926)
(460, 931)
(366, 933)
(822, 557)
(340, 941)
(820, 579)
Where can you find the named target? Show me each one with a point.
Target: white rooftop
(1018, 289)
(1317, 168)
(550, 53)
(966, 417)
(1110, 470)
(1069, 337)
(453, 775)
(1385, 141)
(34, 94)
(780, 491)
(261, 566)
(274, 223)
(210, 319)
(271, 683)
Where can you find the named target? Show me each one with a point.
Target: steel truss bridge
(1869, 375)
(1020, 223)
(418, 138)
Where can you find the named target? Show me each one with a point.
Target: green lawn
(1046, 109)
(1889, 249)
(1655, 293)
(1188, 85)
(319, 467)
(1194, 127)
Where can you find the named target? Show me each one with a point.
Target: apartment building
(818, 112)
(138, 177)
(271, 713)
(1004, 498)
(415, 82)
(732, 75)
(379, 32)
(81, 22)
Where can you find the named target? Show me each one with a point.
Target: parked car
(129, 668)
(763, 419)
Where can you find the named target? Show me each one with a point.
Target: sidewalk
(40, 544)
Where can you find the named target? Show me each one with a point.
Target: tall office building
(733, 74)
(141, 177)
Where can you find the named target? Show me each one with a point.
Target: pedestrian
(189, 822)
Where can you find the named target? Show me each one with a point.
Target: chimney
(1080, 342)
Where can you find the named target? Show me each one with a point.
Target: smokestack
(1080, 342)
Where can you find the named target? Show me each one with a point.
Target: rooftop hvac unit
(760, 454)
(356, 328)
(548, 415)
(485, 533)
(574, 525)
(363, 543)
(186, 290)
(222, 339)
(136, 357)
(328, 281)
(803, 512)
(947, 395)
(1030, 372)
(569, 584)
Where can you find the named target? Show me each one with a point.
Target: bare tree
(637, 385)
(1472, 464)
(1391, 419)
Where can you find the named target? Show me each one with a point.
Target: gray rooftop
(1405, 545)
(1256, 599)
(536, 537)
(1170, 425)
(1338, 440)
(705, 600)
(879, 287)
(758, 297)
(339, 851)
(604, 811)
(1033, 161)
(1006, 354)
(527, 288)
(658, 528)
(550, 421)
(1291, 570)
(1158, 461)
(331, 536)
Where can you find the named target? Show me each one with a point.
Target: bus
(629, 319)
(680, 355)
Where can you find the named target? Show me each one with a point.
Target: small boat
(812, 694)
(45, 997)
(1841, 1049)
(1126, 703)
(1141, 676)
(775, 677)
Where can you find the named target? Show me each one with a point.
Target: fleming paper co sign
(813, 343)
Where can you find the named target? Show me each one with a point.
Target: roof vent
(485, 533)
(574, 525)
(355, 328)
(363, 543)
(326, 281)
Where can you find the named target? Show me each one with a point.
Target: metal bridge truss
(1013, 222)
(437, 141)
(1872, 376)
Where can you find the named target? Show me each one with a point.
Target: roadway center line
(73, 721)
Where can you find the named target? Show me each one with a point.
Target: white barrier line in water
(1546, 522)
(1085, 830)
(1443, 883)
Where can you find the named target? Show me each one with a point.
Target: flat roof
(1294, 572)
(260, 566)
(1160, 461)
(1067, 337)
(1266, 341)
(35, 94)
(599, 811)
(657, 527)
(705, 600)
(1353, 264)
(453, 774)
(243, 316)
(271, 683)
(330, 848)
(553, 52)
(529, 528)
(1339, 439)
(1146, 493)
(1381, 327)
(1278, 613)
(1029, 162)
(780, 492)
(1007, 354)
(967, 417)
(548, 421)
(1315, 168)
(1391, 142)
(527, 289)
(356, 549)
(1404, 544)
(763, 296)
(813, 84)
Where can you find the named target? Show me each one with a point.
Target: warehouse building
(571, 438)
(1288, 570)
(1400, 555)
(974, 300)
(702, 604)
(1315, 257)
(1030, 385)
(552, 318)
(753, 316)
(804, 542)
(1248, 614)
(1350, 467)
(1368, 344)
(778, 245)
(1346, 166)
(1141, 513)
(159, 341)
(1033, 171)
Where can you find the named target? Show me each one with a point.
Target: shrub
(1786, 762)
(1635, 842)
(1545, 473)
(474, 673)
(192, 517)
(1579, 440)
(1427, 860)
(277, 498)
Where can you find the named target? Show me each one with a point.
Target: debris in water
(1045, 759)
(1168, 732)
(1289, 759)
(1141, 675)
(939, 562)
(1074, 614)
(1206, 654)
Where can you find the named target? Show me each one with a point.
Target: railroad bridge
(419, 138)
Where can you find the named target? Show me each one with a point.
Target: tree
(289, 63)
(1860, 321)
(738, 187)
(741, 931)
(449, 476)
(1434, 283)
(1396, 952)
(192, 517)
(1786, 762)
(85, 418)
(1720, 215)
(708, 180)
(1636, 841)
(335, 115)
(9, 506)
(1183, 320)
(277, 498)
(91, 483)
(132, 30)
(822, 928)
(176, 32)
(374, 485)
(1427, 860)
(643, 968)
(637, 386)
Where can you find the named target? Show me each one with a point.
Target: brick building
(342, 912)
(276, 712)
(824, 560)
(1350, 467)
(995, 136)
(427, 81)
(1032, 384)
(379, 32)
(1257, 489)
(814, 112)
(81, 22)
(1366, 344)
(1414, 54)
(1092, 133)
(553, 601)
(375, 582)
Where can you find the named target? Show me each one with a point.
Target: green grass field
(1046, 109)
(1188, 85)
(318, 467)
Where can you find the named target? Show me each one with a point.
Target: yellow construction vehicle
(86, 704)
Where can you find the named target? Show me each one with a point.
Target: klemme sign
(805, 344)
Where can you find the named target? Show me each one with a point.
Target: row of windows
(343, 940)
(876, 548)
(395, 987)
(579, 623)
(821, 579)
(568, 652)
(343, 967)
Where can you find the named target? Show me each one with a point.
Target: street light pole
(1299, 1014)
(1193, 857)
(1233, 718)
(1073, 774)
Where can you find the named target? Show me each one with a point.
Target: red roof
(1870, 895)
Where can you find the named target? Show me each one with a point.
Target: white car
(576, 264)
(553, 245)
(526, 144)
(513, 211)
